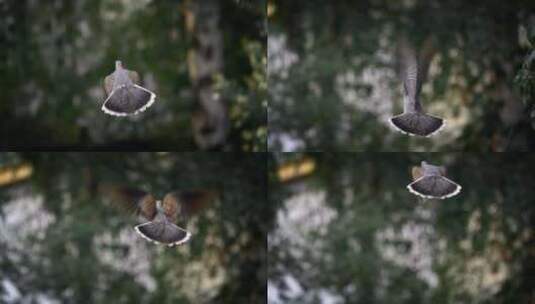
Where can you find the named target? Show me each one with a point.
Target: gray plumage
(162, 230)
(159, 217)
(125, 95)
(414, 121)
(430, 182)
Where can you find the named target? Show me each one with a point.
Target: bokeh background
(348, 231)
(55, 55)
(333, 85)
(62, 240)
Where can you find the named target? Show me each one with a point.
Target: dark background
(62, 239)
(350, 232)
(55, 55)
(333, 86)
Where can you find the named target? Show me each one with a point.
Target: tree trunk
(205, 61)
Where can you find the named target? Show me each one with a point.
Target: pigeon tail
(434, 186)
(163, 232)
(416, 123)
(128, 100)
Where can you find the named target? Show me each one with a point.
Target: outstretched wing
(186, 202)
(131, 200)
(417, 172)
(427, 52)
(134, 76)
(442, 170)
(108, 83)
(414, 67)
(409, 68)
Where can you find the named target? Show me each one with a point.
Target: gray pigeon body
(125, 95)
(162, 230)
(159, 216)
(430, 182)
(414, 121)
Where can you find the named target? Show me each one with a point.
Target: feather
(187, 202)
(413, 69)
(108, 84)
(434, 187)
(430, 181)
(124, 94)
(131, 200)
(416, 173)
(163, 232)
(128, 100)
(417, 124)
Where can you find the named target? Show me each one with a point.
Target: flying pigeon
(430, 182)
(125, 96)
(414, 121)
(162, 215)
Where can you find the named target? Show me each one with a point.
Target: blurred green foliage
(336, 85)
(55, 57)
(84, 251)
(353, 231)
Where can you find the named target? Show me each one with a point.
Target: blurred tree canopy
(56, 54)
(61, 238)
(353, 233)
(332, 84)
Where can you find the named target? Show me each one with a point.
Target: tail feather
(163, 233)
(417, 124)
(434, 187)
(128, 100)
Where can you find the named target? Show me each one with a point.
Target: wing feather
(108, 83)
(134, 76)
(427, 53)
(442, 170)
(132, 200)
(186, 202)
(409, 67)
(416, 173)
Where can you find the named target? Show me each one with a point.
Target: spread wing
(414, 66)
(417, 172)
(131, 200)
(108, 83)
(427, 52)
(134, 76)
(186, 202)
(409, 68)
